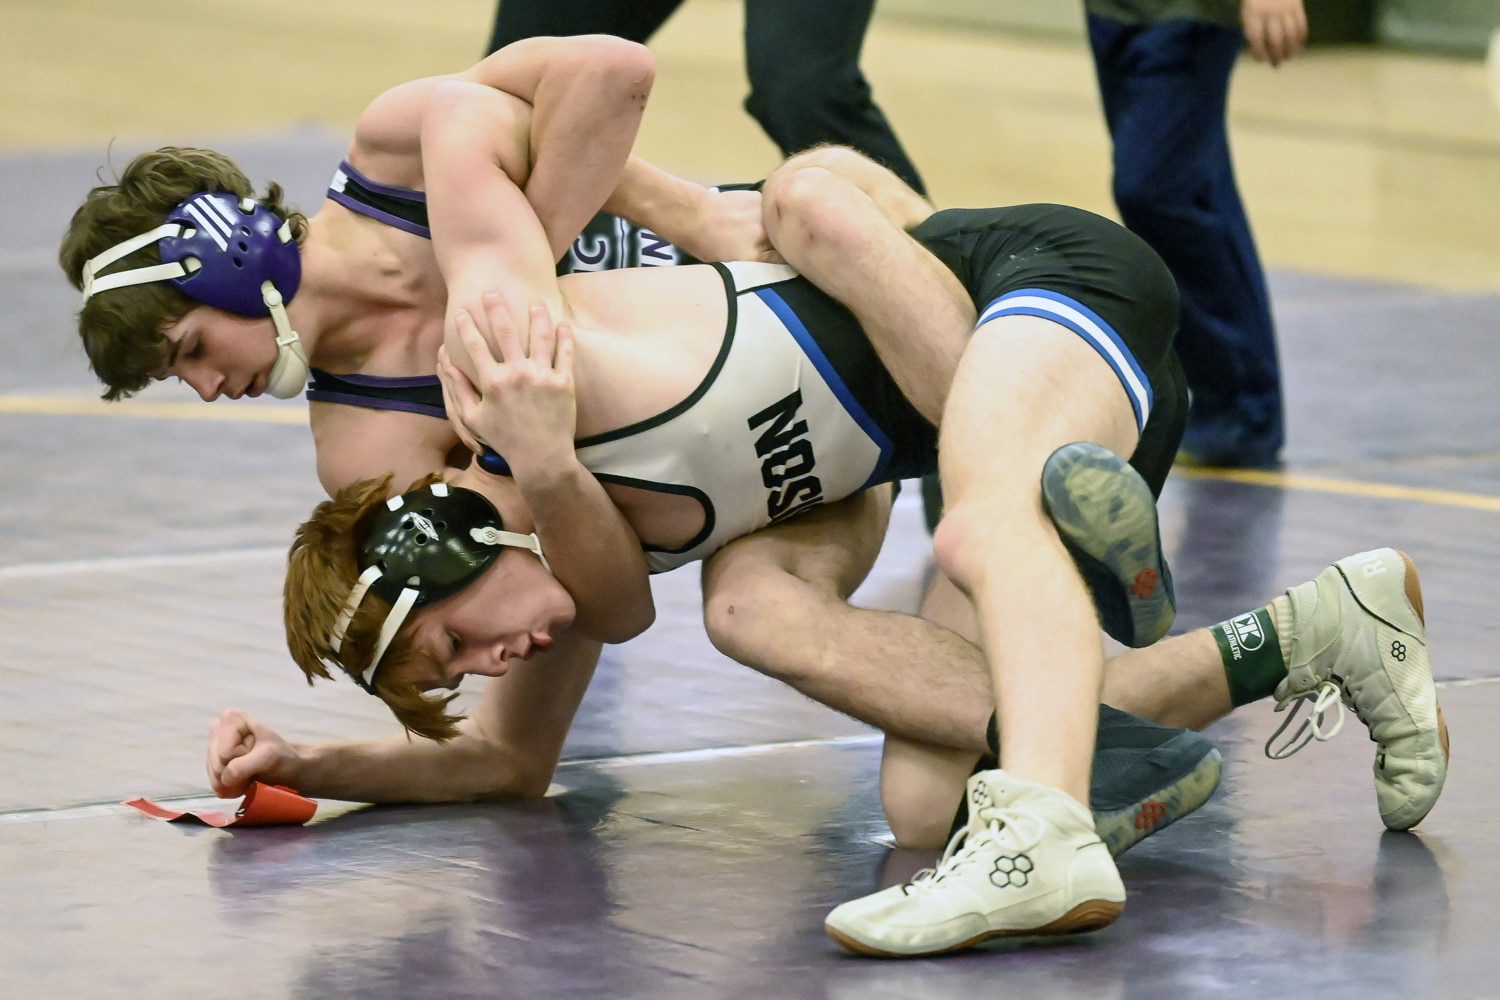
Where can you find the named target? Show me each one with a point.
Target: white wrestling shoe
(1358, 639)
(1028, 862)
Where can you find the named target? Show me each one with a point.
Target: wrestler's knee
(920, 790)
(727, 602)
(739, 603)
(958, 543)
(914, 828)
(800, 205)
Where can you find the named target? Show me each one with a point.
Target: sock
(1253, 653)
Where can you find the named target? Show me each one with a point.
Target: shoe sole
(1123, 828)
(1089, 915)
(1105, 515)
(1413, 584)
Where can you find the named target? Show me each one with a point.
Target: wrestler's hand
(242, 750)
(520, 400)
(448, 376)
(1275, 30)
(729, 227)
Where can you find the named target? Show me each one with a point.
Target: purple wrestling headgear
(234, 254)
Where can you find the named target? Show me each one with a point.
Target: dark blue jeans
(1164, 88)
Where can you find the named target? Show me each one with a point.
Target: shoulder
(387, 142)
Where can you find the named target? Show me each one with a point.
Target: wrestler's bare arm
(488, 241)
(573, 110)
(508, 748)
(577, 106)
(710, 225)
(522, 401)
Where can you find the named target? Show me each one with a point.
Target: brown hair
(124, 331)
(322, 568)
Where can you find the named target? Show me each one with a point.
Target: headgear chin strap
(427, 545)
(234, 254)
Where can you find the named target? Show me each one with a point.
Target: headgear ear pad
(424, 546)
(238, 245)
(432, 542)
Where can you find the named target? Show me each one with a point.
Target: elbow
(621, 624)
(624, 59)
(641, 618)
(641, 614)
(617, 66)
(455, 114)
(509, 772)
(448, 98)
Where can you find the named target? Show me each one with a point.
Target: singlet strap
(422, 394)
(395, 206)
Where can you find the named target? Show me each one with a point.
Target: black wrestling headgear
(427, 545)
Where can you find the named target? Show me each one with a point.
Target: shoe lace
(1323, 697)
(1021, 830)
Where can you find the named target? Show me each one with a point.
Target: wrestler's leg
(1027, 386)
(777, 601)
(921, 785)
(833, 230)
(1179, 681)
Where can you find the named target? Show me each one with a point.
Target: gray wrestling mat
(707, 818)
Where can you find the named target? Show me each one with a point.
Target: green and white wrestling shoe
(1027, 862)
(1358, 638)
(1106, 516)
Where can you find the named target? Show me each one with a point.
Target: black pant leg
(636, 20)
(806, 88)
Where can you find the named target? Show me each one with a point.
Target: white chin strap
(408, 598)
(289, 374)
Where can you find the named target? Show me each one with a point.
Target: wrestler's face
(510, 613)
(221, 354)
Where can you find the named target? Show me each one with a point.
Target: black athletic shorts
(1091, 275)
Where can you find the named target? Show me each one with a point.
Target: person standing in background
(1164, 68)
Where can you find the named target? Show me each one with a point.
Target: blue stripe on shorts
(1091, 327)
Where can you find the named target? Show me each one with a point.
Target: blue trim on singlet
(1092, 328)
(331, 394)
(799, 332)
(389, 191)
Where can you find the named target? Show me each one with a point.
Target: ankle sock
(1253, 651)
